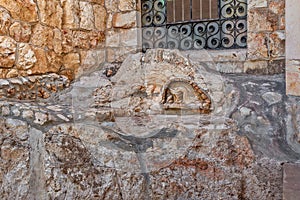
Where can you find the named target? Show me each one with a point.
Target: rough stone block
(71, 61)
(71, 12)
(100, 17)
(21, 10)
(5, 21)
(50, 12)
(20, 31)
(87, 20)
(293, 83)
(7, 52)
(41, 65)
(258, 45)
(260, 19)
(26, 58)
(129, 37)
(125, 20)
(254, 66)
(42, 36)
(127, 5)
(91, 60)
(112, 39)
(257, 4)
(277, 44)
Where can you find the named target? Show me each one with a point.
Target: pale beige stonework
(87, 19)
(292, 47)
(125, 20)
(26, 59)
(5, 21)
(8, 48)
(25, 10)
(50, 12)
(20, 31)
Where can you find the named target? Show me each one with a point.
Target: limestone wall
(65, 37)
(70, 37)
(266, 37)
(85, 115)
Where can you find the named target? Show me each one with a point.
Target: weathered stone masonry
(86, 115)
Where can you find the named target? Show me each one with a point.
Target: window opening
(194, 24)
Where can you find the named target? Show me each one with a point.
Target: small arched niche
(182, 96)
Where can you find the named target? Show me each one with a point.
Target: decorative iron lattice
(189, 30)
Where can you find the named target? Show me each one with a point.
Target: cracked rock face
(156, 127)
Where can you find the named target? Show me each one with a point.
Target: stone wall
(265, 52)
(71, 37)
(292, 48)
(85, 115)
(159, 127)
(66, 37)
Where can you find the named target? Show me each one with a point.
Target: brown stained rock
(12, 73)
(281, 23)
(86, 40)
(69, 73)
(100, 17)
(15, 162)
(21, 10)
(260, 19)
(42, 65)
(20, 31)
(125, 20)
(71, 12)
(293, 83)
(111, 6)
(42, 36)
(54, 60)
(258, 45)
(97, 39)
(67, 41)
(57, 41)
(26, 58)
(71, 61)
(5, 21)
(8, 48)
(255, 66)
(277, 7)
(127, 5)
(100, 2)
(277, 44)
(50, 12)
(87, 19)
(291, 181)
(3, 73)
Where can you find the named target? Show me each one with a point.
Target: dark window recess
(194, 24)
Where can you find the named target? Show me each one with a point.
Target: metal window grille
(194, 24)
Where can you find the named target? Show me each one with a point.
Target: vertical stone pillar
(293, 47)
